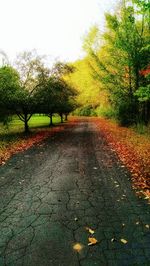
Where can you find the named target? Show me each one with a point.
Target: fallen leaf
(147, 226)
(112, 240)
(90, 230)
(124, 241)
(78, 247)
(92, 241)
(147, 197)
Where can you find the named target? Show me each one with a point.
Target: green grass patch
(14, 132)
(141, 129)
(36, 122)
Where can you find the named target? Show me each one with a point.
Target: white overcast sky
(52, 27)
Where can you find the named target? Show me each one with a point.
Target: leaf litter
(92, 241)
(78, 247)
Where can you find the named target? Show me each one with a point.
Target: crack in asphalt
(50, 193)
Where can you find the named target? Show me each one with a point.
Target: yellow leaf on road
(147, 226)
(90, 230)
(92, 241)
(124, 241)
(147, 197)
(78, 247)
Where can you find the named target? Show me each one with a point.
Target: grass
(142, 129)
(13, 135)
(36, 121)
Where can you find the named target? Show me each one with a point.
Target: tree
(61, 69)
(65, 102)
(116, 64)
(32, 75)
(9, 89)
(55, 97)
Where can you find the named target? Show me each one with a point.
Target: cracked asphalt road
(51, 192)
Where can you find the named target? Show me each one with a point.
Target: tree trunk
(130, 83)
(146, 113)
(61, 116)
(51, 120)
(66, 117)
(26, 127)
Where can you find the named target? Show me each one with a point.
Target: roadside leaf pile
(133, 150)
(23, 143)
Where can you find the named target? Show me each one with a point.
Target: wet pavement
(50, 193)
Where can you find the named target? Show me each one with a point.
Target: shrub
(127, 113)
(108, 112)
(85, 111)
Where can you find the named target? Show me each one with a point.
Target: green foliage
(117, 59)
(140, 128)
(85, 111)
(143, 4)
(55, 96)
(143, 93)
(9, 87)
(107, 112)
(33, 88)
(126, 113)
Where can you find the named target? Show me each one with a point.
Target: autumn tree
(117, 57)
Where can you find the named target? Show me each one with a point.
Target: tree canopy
(30, 87)
(114, 62)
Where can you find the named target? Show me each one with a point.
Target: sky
(53, 27)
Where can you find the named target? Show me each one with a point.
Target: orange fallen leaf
(78, 247)
(92, 241)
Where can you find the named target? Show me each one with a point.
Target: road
(51, 193)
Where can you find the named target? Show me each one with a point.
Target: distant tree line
(29, 87)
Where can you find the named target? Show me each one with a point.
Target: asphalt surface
(50, 193)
